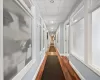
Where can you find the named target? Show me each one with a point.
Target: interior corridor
(49, 39)
(56, 67)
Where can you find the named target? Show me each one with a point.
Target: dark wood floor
(67, 70)
(52, 69)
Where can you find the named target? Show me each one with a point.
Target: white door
(66, 40)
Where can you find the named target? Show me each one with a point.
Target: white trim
(22, 73)
(73, 21)
(88, 29)
(66, 40)
(1, 40)
(67, 55)
(33, 33)
(22, 4)
(78, 73)
(34, 77)
(62, 54)
(77, 9)
(94, 69)
(64, 37)
(94, 6)
(76, 56)
(77, 21)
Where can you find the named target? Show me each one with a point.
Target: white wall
(96, 37)
(88, 33)
(78, 39)
(60, 38)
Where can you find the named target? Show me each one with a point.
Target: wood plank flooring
(67, 70)
(52, 69)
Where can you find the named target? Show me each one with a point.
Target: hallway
(56, 67)
(49, 39)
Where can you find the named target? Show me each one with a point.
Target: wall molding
(91, 67)
(22, 73)
(34, 77)
(78, 73)
(88, 66)
(24, 7)
(1, 40)
(61, 54)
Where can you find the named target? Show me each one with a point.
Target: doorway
(66, 39)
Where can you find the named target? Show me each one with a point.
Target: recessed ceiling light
(52, 22)
(75, 20)
(52, 28)
(51, 1)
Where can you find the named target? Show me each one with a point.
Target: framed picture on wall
(17, 39)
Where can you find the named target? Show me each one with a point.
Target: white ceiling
(57, 11)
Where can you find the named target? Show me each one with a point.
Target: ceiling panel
(52, 10)
(67, 3)
(41, 4)
(43, 11)
(57, 11)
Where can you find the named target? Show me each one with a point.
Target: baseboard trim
(62, 54)
(78, 73)
(22, 73)
(34, 77)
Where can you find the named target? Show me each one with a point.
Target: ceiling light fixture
(51, 1)
(52, 22)
(75, 20)
(52, 28)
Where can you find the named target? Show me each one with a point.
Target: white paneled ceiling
(57, 11)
